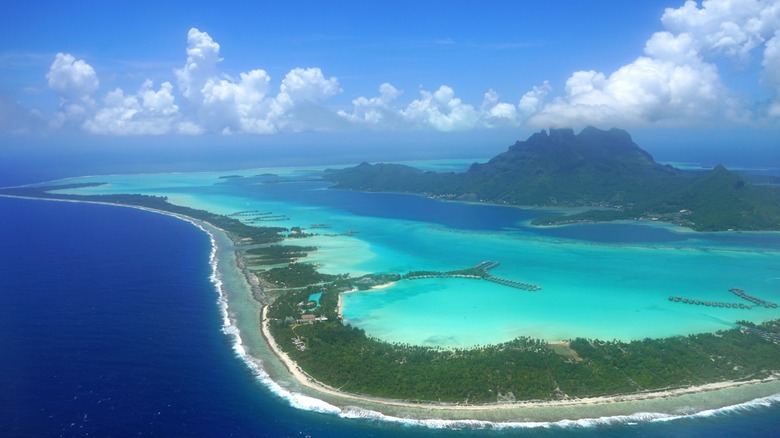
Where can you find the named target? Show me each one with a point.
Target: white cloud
(226, 105)
(495, 112)
(533, 100)
(73, 79)
(147, 112)
(676, 81)
(374, 111)
(679, 49)
(201, 65)
(734, 29)
(308, 85)
(214, 101)
(648, 90)
(441, 110)
(726, 27)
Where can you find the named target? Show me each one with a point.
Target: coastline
(309, 382)
(340, 305)
(344, 404)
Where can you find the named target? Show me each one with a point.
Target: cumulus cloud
(374, 111)
(225, 105)
(148, 112)
(727, 27)
(672, 83)
(677, 80)
(213, 101)
(245, 105)
(441, 110)
(533, 100)
(308, 85)
(201, 65)
(75, 81)
(70, 77)
(495, 112)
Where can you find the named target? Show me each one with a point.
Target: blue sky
(121, 73)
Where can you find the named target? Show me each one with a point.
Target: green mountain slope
(593, 168)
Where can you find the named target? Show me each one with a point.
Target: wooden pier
(683, 300)
(513, 283)
(484, 275)
(757, 301)
(253, 216)
(736, 291)
(487, 265)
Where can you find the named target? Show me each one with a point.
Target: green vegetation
(370, 280)
(600, 169)
(469, 272)
(523, 369)
(276, 254)
(296, 275)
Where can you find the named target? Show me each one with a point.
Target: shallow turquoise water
(599, 281)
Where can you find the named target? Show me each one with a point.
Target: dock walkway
(757, 301)
(736, 291)
(487, 265)
(484, 266)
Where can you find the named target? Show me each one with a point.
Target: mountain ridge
(595, 168)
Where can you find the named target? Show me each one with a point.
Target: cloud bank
(674, 82)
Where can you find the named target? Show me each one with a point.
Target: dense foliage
(523, 369)
(277, 254)
(296, 275)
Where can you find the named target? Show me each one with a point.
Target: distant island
(604, 170)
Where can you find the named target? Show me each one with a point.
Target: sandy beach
(340, 305)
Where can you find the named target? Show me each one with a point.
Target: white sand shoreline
(308, 381)
(340, 305)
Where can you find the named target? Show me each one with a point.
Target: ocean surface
(111, 324)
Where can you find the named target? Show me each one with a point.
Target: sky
(466, 76)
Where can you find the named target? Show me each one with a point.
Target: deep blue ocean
(109, 326)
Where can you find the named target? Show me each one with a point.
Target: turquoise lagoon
(606, 281)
